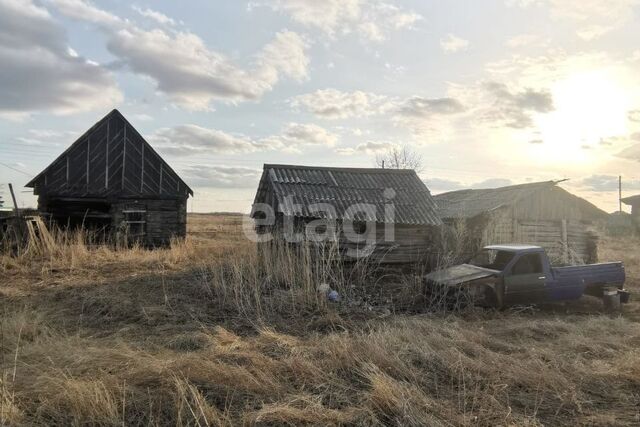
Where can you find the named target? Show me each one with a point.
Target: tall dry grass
(211, 332)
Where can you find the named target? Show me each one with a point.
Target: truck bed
(589, 279)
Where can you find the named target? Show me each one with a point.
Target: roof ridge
(337, 169)
(506, 187)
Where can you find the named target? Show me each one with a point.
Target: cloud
(442, 185)
(427, 115)
(372, 20)
(631, 152)
(221, 176)
(40, 72)
(184, 68)
(335, 104)
(602, 183)
(453, 44)
(368, 148)
(295, 134)
(591, 19)
(190, 139)
(513, 108)
(536, 141)
(420, 107)
(634, 116)
(158, 17)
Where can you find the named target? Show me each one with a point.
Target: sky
(487, 92)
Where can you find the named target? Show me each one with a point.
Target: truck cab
(523, 269)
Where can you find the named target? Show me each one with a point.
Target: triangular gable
(110, 159)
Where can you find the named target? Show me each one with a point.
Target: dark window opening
(528, 264)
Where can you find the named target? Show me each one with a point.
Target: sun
(590, 105)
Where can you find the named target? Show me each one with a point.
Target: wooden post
(13, 197)
(565, 242)
(620, 193)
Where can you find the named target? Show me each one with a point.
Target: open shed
(540, 213)
(111, 180)
(392, 201)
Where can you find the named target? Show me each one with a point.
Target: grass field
(206, 333)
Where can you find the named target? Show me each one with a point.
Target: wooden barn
(540, 213)
(110, 179)
(396, 201)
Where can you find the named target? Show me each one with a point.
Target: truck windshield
(492, 258)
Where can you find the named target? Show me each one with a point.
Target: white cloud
(213, 176)
(335, 104)
(368, 148)
(156, 16)
(40, 72)
(453, 44)
(191, 139)
(604, 183)
(373, 20)
(427, 115)
(590, 18)
(185, 69)
(307, 133)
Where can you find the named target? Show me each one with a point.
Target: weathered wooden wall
(567, 241)
(408, 243)
(165, 219)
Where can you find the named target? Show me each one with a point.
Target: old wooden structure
(110, 179)
(540, 213)
(393, 205)
(634, 202)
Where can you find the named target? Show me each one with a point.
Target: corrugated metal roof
(470, 203)
(631, 200)
(354, 193)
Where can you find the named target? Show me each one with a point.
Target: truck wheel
(611, 300)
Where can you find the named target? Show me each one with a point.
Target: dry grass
(209, 334)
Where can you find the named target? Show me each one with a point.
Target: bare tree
(400, 158)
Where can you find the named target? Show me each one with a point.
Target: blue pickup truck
(506, 275)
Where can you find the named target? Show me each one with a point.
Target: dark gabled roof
(111, 158)
(346, 189)
(470, 203)
(631, 200)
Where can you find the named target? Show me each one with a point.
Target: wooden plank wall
(166, 219)
(566, 241)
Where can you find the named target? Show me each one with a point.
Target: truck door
(525, 283)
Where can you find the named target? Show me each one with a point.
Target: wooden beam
(67, 170)
(13, 197)
(106, 164)
(160, 185)
(88, 159)
(124, 152)
(142, 169)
